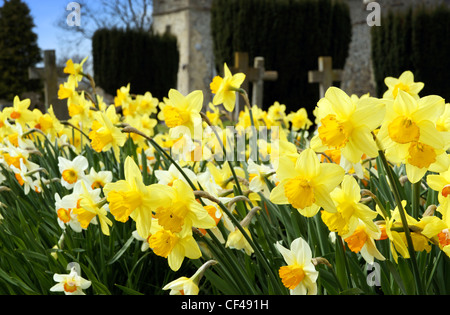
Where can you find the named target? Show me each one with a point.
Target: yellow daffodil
(307, 183)
(236, 240)
(105, 135)
(183, 112)
(397, 245)
(244, 119)
(173, 246)
(403, 83)
(91, 207)
(49, 124)
(441, 183)
(349, 209)
(277, 147)
(20, 112)
(422, 232)
(71, 284)
(177, 209)
(123, 97)
(147, 104)
(443, 122)
(346, 124)
(300, 274)
(225, 88)
(67, 90)
(75, 69)
(223, 175)
(299, 119)
(188, 286)
(131, 198)
(409, 135)
(80, 110)
(144, 124)
(72, 171)
(214, 115)
(276, 114)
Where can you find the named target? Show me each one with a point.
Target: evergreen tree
(18, 49)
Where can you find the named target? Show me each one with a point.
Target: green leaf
(121, 251)
(127, 290)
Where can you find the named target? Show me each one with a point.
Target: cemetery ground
(156, 197)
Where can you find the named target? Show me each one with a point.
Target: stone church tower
(189, 21)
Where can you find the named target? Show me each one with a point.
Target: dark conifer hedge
(148, 62)
(290, 35)
(18, 50)
(416, 40)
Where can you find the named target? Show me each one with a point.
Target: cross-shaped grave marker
(255, 75)
(325, 76)
(49, 74)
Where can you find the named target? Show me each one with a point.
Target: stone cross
(325, 76)
(49, 74)
(255, 75)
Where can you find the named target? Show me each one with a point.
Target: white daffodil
(72, 171)
(71, 284)
(300, 274)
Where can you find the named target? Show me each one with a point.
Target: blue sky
(45, 14)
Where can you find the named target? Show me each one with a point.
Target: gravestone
(49, 74)
(325, 76)
(255, 75)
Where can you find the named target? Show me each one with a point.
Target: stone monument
(189, 21)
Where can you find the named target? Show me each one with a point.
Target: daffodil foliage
(173, 196)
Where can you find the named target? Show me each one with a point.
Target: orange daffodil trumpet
(71, 284)
(347, 123)
(224, 89)
(300, 274)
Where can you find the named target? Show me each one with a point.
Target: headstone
(261, 75)
(49, 74)
(255, 75)
(325, 76)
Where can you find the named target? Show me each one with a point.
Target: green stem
(247, 103)
(236, 179)
(129, 129)
(253, 245)
(415, 199)
(435, 264)
(401, 211)
(341, 246)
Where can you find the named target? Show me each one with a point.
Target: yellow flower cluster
(319, 172)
